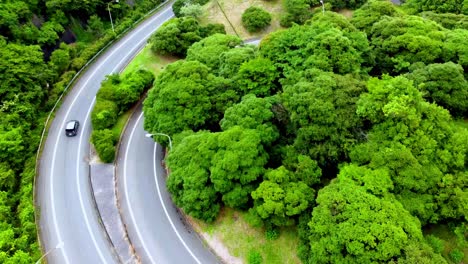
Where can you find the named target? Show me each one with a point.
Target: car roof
(71, 124)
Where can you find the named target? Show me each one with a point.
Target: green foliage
(254, 257)
(297, 12)
(272, 234)
(178, 34)
(255, 19)
(401, 41)
(186, 96)
(207, 168)
(192, 10)
(104, 142)
(209, 49)
(60, 58)
(423, 151)
(257, 76)
(322, 115)
(352, 225)
(457, 255)
(436, 243)
(281, 197)
(443, 84)
(231, 60)
(30, 32)
(340, 4)
(189, 182)
(95, 26)
(447, 20)
(178, 6)
(237, 165)
(449, 6)
(252, 113)
(104, 114)
(371, 12)
(329, 43)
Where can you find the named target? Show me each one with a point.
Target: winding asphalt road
(157, 232)
(69, 226)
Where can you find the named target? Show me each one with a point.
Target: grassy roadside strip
(231, 232)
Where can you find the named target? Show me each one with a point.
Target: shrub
(130, 89)
(255, 19)
(272, 234)
(104, 142)
(178, 4)
(456, 255)
(104, 114)
(254, 257)
(192, 10)
(436, 243)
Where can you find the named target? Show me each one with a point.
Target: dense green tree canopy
(401, 41)
(178, 34)
(335, 46)
(424, 152)
(186, 96)
(209, 50)
(258, 76)
(281, 197)
(231, 60)
(322, 113)
(253, 113)
(443, 84)
(350, 225)
(371, 12)
(189, 181)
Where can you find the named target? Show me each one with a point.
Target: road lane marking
(126, 190)
(80, 197)
(164, 206)
(131, 36)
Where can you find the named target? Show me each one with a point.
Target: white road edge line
(164, 206)
(79, 185)
(126, 191)
(54, 215)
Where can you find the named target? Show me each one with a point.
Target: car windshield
(70, 125)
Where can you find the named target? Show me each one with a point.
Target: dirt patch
(234, 9)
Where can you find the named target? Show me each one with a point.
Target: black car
(71, 129)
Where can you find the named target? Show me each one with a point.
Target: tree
(186, 96)
(371, 12)
(231, 60)
(252, 113)
(191, 10)
(349, 224)
(321, 107)
(255, 19)
(208, 50)
(329, 43)
(297, 11)
(178, 34)
(450, 6)
(352, 4)
(281, 197)
(189, 181)
(237, 165)
(258, 76)
(401, 41)
(443, 84)
(424, 152)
